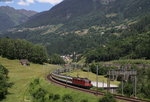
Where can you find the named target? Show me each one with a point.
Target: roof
(24, 61)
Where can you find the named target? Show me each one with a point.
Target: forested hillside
(77, 14)
(80, 25)
(133, 43)
(10, 17)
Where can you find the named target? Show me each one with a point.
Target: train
(76, 81)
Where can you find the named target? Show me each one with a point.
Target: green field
(128, 61)
(121, 61)
(90, 76)
(21, 76)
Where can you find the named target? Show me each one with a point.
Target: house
(24, 62)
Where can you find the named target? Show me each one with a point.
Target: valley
(103, 36)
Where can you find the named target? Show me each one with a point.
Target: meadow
(22, 76)
(128, 61)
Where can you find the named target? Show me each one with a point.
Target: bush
(56, 97)
(108, 98)
(67, 98)
(39, 95)
(37, 92)
(84, 100)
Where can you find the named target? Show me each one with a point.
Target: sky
(36, 5)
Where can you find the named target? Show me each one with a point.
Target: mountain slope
(10, 17)
(28, 13)
(78, 25)
(90, 12)
(5, 21)
(66, 10)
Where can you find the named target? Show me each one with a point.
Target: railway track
(92, 91)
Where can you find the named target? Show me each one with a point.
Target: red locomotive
(82, 82)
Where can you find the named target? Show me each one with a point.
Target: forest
(132, 44)
(21, 49)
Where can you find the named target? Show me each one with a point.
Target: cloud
(53, 2)
(28, 2)
(9, 2)
(25, 2)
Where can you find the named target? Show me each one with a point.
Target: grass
(22, 76)
(90, 76)
(77, 95)
(121, 61)
(129, 61)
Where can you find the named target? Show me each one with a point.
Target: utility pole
(97, 78)
(108, 81)
(122, 88)
(88, 71)
(66, 83)
(103, 84)
(135, 81)
(125, 74)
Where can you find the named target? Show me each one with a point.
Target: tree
(143, 84)
(22, 49)
(128, 88)
(102, 70)
(39, 54)
(56, 59)
(3, 82)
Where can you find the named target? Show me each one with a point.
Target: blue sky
(36, 5)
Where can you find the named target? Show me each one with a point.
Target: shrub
(67, 98)
(56, 97)
(84, 100)
(108, 98)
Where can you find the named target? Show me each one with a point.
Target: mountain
(10, 17)
(84, 13)
(133, 43)
(79, 25)
(28, 13)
